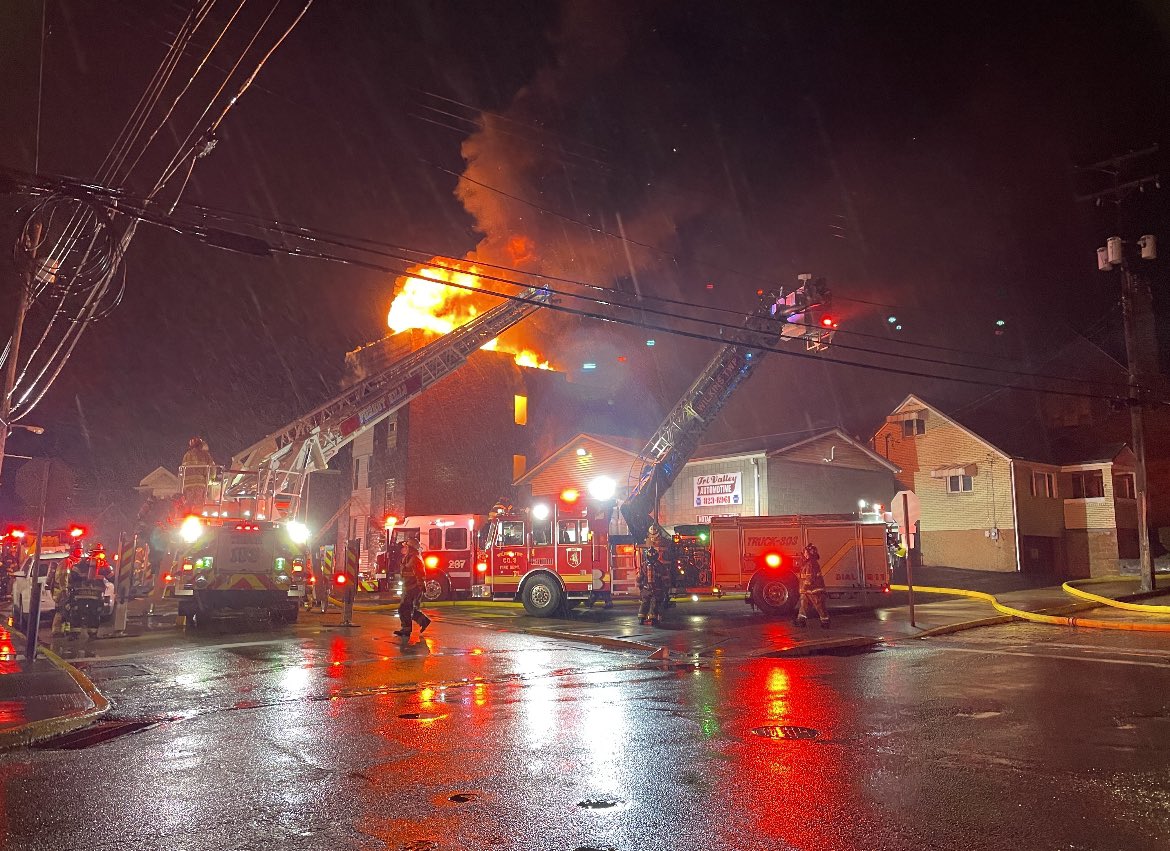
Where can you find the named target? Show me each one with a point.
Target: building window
(1088, 484)
(390, 494)
(361, 472)
(1123, 486)
(521, 406)
(913, 427)
(519, 466)
(959, 484)
(1044, 485)
(392, 434)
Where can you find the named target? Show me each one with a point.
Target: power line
(316, 235)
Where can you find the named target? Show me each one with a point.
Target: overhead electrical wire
(641, 304)
(721, 337)
(429, 257)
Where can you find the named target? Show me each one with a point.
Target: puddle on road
(96, 734)
(600, 803)
(463, 797)
(420, 716)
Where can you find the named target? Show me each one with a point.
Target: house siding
(972, 530)
(818, 488)
(678, 505)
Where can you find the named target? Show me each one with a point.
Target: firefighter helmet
(195, 442)
(811, 551)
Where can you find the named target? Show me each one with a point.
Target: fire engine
(449, 549)
(559, 554)
(243, 544)
(552, 555)
(760, 556)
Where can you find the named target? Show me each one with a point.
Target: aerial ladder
(792, 314)
(267, 480)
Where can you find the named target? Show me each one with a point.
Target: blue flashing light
(1000, 323)
(892, 319)
(649, 342)
(588, 366)
(897, 327)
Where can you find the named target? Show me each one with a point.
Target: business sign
(718, 489)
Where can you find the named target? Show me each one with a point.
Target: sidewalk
(43, 699)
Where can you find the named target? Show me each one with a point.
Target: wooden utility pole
(1138, 317)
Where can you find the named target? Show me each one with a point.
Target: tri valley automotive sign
(718, 489)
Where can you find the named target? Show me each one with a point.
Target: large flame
(424, 301)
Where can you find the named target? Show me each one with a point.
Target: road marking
(1006, 652)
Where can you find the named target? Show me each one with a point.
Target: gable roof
(837, 434)
(159, 477)
(614, 448)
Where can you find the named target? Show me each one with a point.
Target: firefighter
(198, 466)
(812, 588)
(58, 584)
(413, 577)
(654, 577)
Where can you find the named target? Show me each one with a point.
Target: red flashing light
(247, 527)
(827, 321)
(481, 567)
(431, 562)
(76, 531)
(341, 579)
(772, 559)
(168, 578)
(390, 522)
(621, 358)
(570, 495)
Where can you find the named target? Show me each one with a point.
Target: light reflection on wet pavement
(476, 738)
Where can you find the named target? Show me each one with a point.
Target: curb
(597, 640)
(812, 648)
(47, 728)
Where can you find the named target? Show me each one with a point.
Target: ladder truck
(552, 555)
(244, 545)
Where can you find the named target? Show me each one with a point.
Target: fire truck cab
(448, 548)
(554, 554)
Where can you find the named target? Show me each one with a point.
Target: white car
(22, 590)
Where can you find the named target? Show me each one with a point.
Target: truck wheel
(542, 596)
(775, 594)
(286, 614)
(438, 588)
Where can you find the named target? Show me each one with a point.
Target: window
(913, 427)
(434, 539)
(456, 538)
(567, 532)
(1088, 484)
(392, 434)
(519, 466)
(1044, 485)
(958, 484)
(361, 472)
(390, 495)
(511, 533)
(1123, 486)
(521, 405)
(542, 532)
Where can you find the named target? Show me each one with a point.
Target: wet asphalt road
(316, 738)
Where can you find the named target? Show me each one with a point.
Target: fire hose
(1059, 620)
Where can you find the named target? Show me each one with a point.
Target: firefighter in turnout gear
(77, 590)
(654, 577)
(812, 588)
(413, 578)
(198, 466)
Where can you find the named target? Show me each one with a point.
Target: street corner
(838, 645)
(45, 698)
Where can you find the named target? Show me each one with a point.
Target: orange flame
(423, 301)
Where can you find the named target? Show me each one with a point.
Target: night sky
(922, 157)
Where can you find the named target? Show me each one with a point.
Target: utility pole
(23, 296)
(1138, 318)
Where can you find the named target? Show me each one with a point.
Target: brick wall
(954, 526)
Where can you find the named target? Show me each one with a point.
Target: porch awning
(956, 470)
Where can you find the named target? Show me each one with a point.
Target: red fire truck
(448, 547)
(553, 554)
(760, 557)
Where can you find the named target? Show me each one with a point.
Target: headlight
(191, 529)
(298, 532)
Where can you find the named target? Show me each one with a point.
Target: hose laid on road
(1070, 587)
(1036, 617)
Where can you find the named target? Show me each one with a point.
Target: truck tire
(542, 596)
(286, 614)
(435, 589)
(775, 593)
